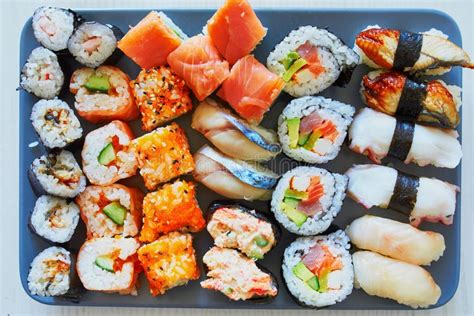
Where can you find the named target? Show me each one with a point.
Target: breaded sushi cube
(163, 155)
(113, 210)
(103, 94)
(109, 265)
(168, 262)
(106, 155)
(160, 96)
(150, 41)
(172, 208)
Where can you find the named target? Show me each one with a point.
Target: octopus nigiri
(430, 52)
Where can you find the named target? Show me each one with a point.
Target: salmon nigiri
(251, 89)
(235, 30)
(198, 62)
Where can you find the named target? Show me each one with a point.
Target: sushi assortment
(130, 230)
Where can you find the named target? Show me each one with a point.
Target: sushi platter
(240, 158)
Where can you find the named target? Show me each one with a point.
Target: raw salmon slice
(235, 30)
(150, 41)
(251, 89)
(198, 62)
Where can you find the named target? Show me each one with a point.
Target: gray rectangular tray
(345, 24)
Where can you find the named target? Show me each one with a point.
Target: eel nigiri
(423, 199)
(233, 136)
(428, 103)
(378, 135)
(403, 282)
(198, 62)
(251, 89)
(430, 52)
(233, 178)
(396, 240)
(235, 30)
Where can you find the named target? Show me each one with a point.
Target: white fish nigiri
(397, 240)
(403, 282)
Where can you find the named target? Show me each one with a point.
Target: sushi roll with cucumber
(312, 129)
(54, 219)
(106, 157)
(55, 123)
(307, 199)
(42, 74)
(318, 270)
(57, 174)
(311, 59)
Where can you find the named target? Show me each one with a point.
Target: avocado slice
(97, 84)
(116, 212)
(291, 202)
(105, 263)
(312, 140)
(313, 283)
(293, 130)
(290, 59)
(107, 154)
(261, 241)
(303, 138)
(299, 195)
(293, 214)
(302, 272)
(297, 65)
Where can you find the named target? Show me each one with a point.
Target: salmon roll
(109, 211)
(103, 94)
(199, 63)
(150, 42)
(310, 60)
(106, 155)
(109, 265)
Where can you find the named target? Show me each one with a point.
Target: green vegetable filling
(297, 65)
(107, 154)
(97, 84)
(116, 212)
(105, 263)
(293, 125)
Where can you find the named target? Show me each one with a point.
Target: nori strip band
(410, 103)
(408, 50)
(402, 140)
(404, 193)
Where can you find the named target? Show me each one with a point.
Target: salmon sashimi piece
(251, 89)
(198, 62)
(150, 41)
(320, 260)
(309, 52)
(309, 122)
(235, 30)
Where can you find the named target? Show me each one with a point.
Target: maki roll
(422, 199)
(307, 199)
(428, 52)
(42, 74)
(403, 140)
(232, 178)
(113, 210)
(403, 282)
(232, 135)
(54, 26)
(92, 43)
(109, 265)
(428, 103)
(54, 219)
(57, 174)
(236, 226)
(55, 123)
(318, 270)
(397, 240)
(106, 156)
(103, 94)
(312, 129)
(50, 272)
(311, 59)
(237, 277)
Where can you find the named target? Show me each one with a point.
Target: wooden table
(14, 301)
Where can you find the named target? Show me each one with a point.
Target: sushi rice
(53, 27)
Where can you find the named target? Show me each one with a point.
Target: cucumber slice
(291, 202)
(261, 241)
(105, 263)
(106, 155)
(303, 138)
(116, 212)
(97, 84)
(299, 195)
(313, 283)
(312, 140)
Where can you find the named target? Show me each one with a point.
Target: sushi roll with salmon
(106, 155)
(55, 123)
(310, 60)
(103, 94)
(307, 199)
(42, 75)
(318, 270)
(312, 129)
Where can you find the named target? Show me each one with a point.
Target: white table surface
(13, 300)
